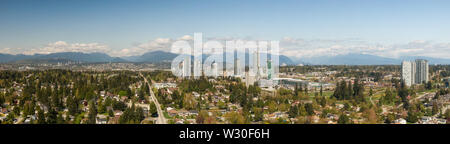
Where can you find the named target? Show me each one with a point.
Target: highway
(161, 119)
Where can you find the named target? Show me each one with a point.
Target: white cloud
(301, 48)
(10, 50)
(162, 44)
(62, 46)
(186, 37)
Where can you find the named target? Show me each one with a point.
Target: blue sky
(119, 24)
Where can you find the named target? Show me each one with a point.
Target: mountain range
(162, 56)
(364, 59)
(350, 59)
(59, 57)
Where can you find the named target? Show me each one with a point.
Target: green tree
(309, 109)
(412, 117)
(118, 105)
(10, 118)
(343, 119)
(447, 115)
(92, 115)
(347, 106)
(60, 119)
(388, 97)
(403, 94)
(323, 101)
(101, 107)
(28, 109)
(153, 109)
(293, 111)
(321, 90)
(139, 114)
(72, 106)
(358, 91)
(110, 113)
(40, 116)
(202, 115)
(123, 93)
(259, 116)
(51, 116)
(189, 102)
(272, 106)
(2, 99)
(221, 105)
(132, 115)
(429, 86)
(56, 100)
(390, 118)
(235, 118)
(434, 109)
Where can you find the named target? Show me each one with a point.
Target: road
(370, 98)
(371, 101)
(414, 99)
(161, 119)
(20, 120)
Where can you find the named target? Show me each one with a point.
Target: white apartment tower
(421, 71)
(408, 72)
(257, 64)
(415, 72)
(237, 67)
(215, 69)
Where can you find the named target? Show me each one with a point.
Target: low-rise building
(400, 121)
(101, 119)
(164, 85)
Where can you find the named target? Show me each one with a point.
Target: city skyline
(391, 29)
(220, 71)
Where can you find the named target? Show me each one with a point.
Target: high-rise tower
(415, 72)
(237, 66)
(408, 72)
(215, 69)
(421, 71)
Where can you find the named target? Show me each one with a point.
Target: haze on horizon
(387, 28)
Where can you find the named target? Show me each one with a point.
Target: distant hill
(365, 59)
(61, 57)
(83, 57)
(430, 59)
(153, 57)
(4, 58)
(350, 59)
(286, 60)
(167, 57)
(37, 61)
(162, 56)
